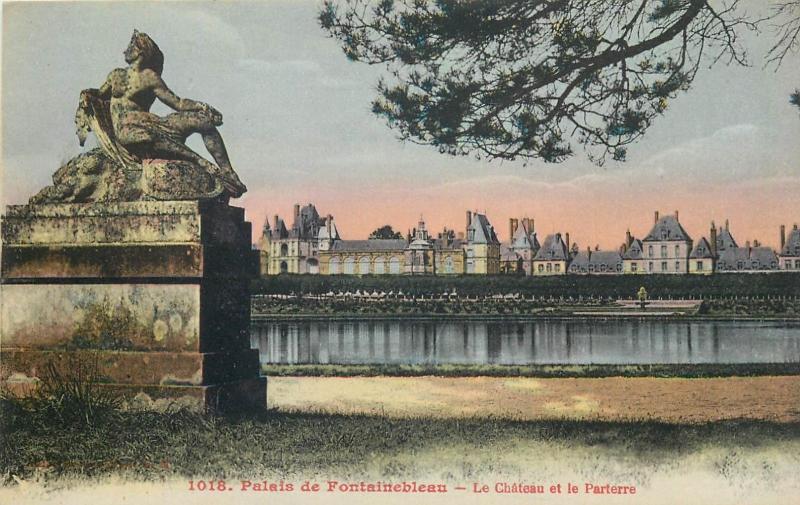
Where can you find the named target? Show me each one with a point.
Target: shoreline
(583, 316)
(543, 371)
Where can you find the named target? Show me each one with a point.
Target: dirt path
(616, 398)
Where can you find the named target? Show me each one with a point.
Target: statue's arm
(172, 100)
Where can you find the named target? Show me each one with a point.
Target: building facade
(667, 247)
(553, 257)
(790, 249)
(482, 249)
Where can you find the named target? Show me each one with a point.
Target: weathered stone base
(153, 295)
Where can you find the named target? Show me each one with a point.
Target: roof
(725, 240)
(524, 238)
(323, 230)
(667, 228)
(634, 250)
(792, 246)
(306, 223)
(508, 254)
(480, 231)
(747, 258)
(702, 250)
(553, 249)
(596, 261)
(452, 243)
(370, 245)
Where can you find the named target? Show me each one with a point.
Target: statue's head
(143, 48)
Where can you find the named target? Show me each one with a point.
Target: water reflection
(519, 343)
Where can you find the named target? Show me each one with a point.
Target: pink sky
(594, 211)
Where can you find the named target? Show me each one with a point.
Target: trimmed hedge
(779, 284)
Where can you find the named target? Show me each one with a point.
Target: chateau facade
(312, 245)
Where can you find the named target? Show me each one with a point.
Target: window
(634, 267)
(284, 267)
(379, 266)
(699, 266)
(394, 265)
(284, 250)
(448, 265)
(677, 266)
(677, 251)
(334, 266)
(349, 265)
(541, 268)
(663, 251)
(557, 267)
(650, 266)
(363, 265)
(797, 264)
(650, 251)
(663, 266)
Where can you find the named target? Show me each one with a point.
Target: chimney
(783, 236)
(566, 236)
(329, 225)
(656, 217)
(795, 226)
(530, 225)
(676, 215)
(296, 210)
(713, 236)
(727, 225)
(747, 245)
(469, 218)
(628, 239)
(276, 222)
(513, 223)
(756, 243)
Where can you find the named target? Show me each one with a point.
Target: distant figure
(119, 115)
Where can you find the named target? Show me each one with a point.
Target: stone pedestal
(155, 292)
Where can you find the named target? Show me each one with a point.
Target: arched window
(284, 249)
(394, 265)
(312, 266)
(363, 265)
(284, 267)
(448, 265)
(334, 265)
(349, 265)
(379, 266)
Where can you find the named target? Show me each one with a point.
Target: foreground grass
(273, 444)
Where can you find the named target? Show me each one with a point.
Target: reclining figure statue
(143, 155)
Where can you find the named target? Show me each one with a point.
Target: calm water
(518, 343)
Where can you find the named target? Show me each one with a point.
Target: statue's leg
(189, 122)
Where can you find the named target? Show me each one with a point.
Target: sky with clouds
(298, 128)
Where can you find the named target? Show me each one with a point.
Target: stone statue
(143, 155)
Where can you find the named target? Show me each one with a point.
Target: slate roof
(483, 232)
(306, 223)
(371, 245)
(596, 262)
(442, 243)
(667, 228)
(634, 251)
(792, 246)
(553, 249)
(508, 254)
(524, 238)
(725, 240)
(702, 250)
(747, 259)
(323, 231)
